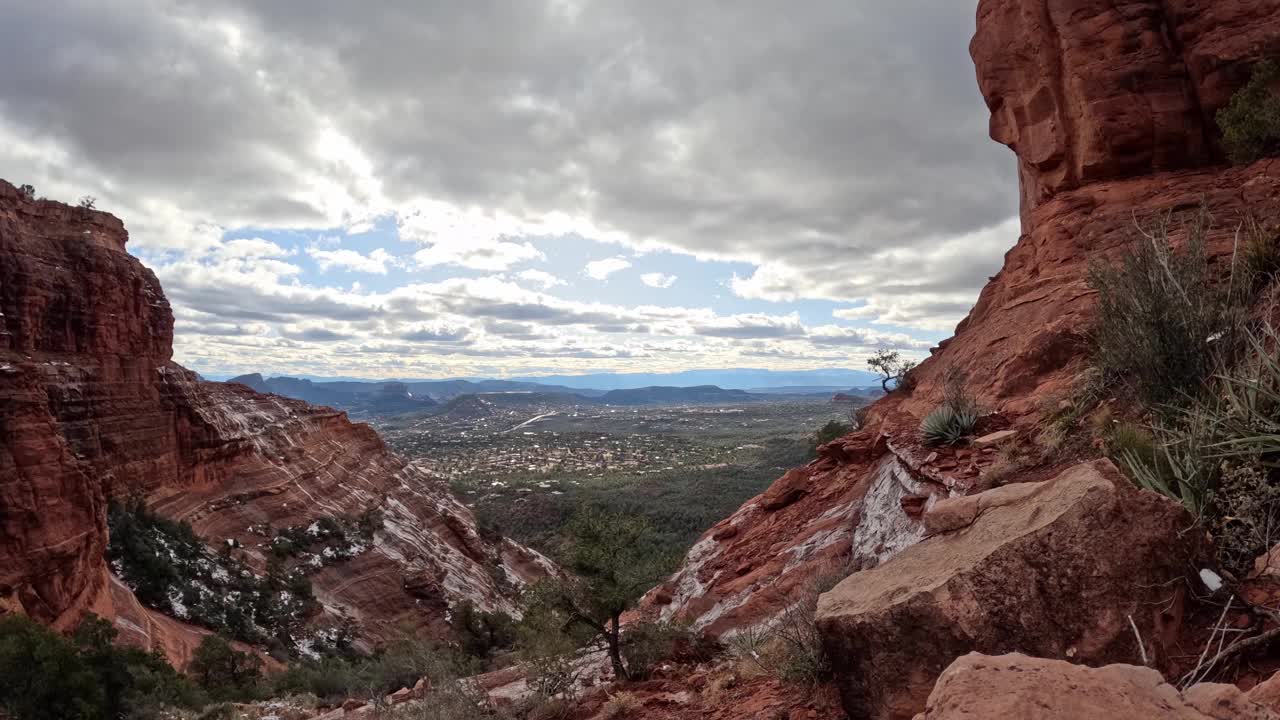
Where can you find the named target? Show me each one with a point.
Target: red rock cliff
(1109, 109)
(91, 406)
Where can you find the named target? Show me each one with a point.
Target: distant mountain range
(751, 380)
(395, 397)
(728, 379)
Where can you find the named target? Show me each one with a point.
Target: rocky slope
(92, 406)
(1108, 108)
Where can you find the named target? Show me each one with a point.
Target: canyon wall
(93, 407)
(1109, 108)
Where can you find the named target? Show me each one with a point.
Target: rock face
(1109, 109)
(1091, 90)
(1054, 569)
(977, 687)
(91, 406)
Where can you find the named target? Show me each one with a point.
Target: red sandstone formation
(1108, 107)
(92, 406)
(977, 687)
(1068, 569)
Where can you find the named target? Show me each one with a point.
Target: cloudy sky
(420, 188)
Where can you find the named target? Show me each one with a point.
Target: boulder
(1055, 569)
(978, 687)
(788, 489)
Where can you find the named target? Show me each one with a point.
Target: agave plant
(948, 424)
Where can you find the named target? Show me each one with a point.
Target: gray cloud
(805, 139)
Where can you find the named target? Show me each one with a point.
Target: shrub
(1250, 123)
(88, 202)
(1162, 322)
(892, 369)
(948, 425)
(482, 633)
(170, 569)
(44, 675)
(649, 643)
(790, 647)
(1219, 456)
(833, 430)
(224, 672)
(28, 192)
(1246, 520)
(620, 705)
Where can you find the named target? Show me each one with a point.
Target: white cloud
(494, 256)
(540, 277)
(608, 123)
(375, 263)
(658, 280)
(602, 269)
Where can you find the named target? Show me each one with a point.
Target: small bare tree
(892, 368)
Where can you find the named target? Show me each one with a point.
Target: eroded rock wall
(92, 406)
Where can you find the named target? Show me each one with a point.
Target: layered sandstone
(977, 687)
(1070, 568)
(92, 406)
(1109, 110)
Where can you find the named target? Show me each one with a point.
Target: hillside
(361, 399)
(1109, 111)
(93, 409)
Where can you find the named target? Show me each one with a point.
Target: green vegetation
(1176, 333)
(170, 569)
(790, 648)
(833, 430)
(46, 676)
(893, 370)
(223, 671)
(1250, 124)
(326, 541)
(957, 416)
(678, 503)
(612, 562)
(948, 425)
(1164, 319)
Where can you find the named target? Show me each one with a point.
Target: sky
(420, 188)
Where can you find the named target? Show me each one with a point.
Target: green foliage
(833, 430)
(649, 643)
(331, 679)
(679, 503)
(1183, 465)
(1246, 518)
(612, 564)
(328, 540)
(481, 633)
(46, 676)
(170, 569)
(1220, 455)
(224, 672)
(1250, 123)
(948, 425)
(893, 369)
(1163, 322)
(790, 648)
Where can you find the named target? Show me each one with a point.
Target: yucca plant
(1184, 466)
(948, 424)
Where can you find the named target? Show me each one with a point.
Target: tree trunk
(614, 639)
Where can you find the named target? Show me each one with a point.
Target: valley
(524, 463)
